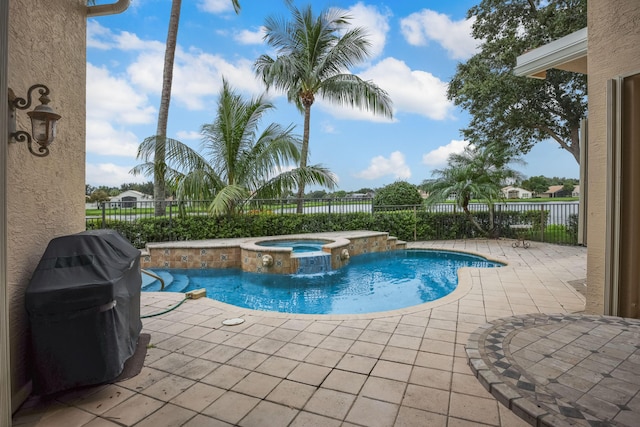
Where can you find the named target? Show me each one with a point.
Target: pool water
(370, 283)
(297, 245)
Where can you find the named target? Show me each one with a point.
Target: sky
(416, 46)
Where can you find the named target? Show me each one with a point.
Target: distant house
(576, 191)
(130, 199)
(511, 192)
(553, 191)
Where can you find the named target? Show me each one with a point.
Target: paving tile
(468, 384)
(355, 363)
(330, 403)
(144, 379)
(277, 366)
(372, 413)
(324, 357)
(309, 374)
(297, 324)
(205, 421)
(335, 343)
(346, 332)
(405, 341)
(198, 396)
(294, 351)
(291, 393)
(171, 362)
(377, 337)
(268, 414)
(308, 338)
(225, 376)
(133, 410)
(321, 328)
(241, 340)
(257, 384)
(429, 377)
(167, 416)
(96, 422)
(384, 389)
(221, 353)
(410, 330)
(168, 387)
(248, 359)
(266, 345)
(349, 382)
(411, 417)
(197, 348)
(307, 419)
(58, 416)
(400, 355)
(366, 349)
(259, 330)
(426, 398)
(434, 360)
(484, 410)
(197, 369)
(231, 407)
(103, 399)
(392, 370)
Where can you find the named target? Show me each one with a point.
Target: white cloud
(110, 175)
(110, 97)
(250, 37)
(440, 155)
(185, 135)
(98, 37)
(196, 76)
(216, 6)
(375, 22)
(412, 91)
(328, 128)
(454, 36)
(380, 166)
(104, 139)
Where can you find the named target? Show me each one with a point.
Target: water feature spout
(313, 262)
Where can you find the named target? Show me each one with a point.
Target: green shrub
(400, 193)
(404, 224)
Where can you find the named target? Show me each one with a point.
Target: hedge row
(405, 225)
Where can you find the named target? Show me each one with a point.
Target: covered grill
(83, 302)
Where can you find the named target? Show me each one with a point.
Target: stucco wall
(614, 49)
(45, 196)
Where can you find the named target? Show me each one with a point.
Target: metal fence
(547, 221)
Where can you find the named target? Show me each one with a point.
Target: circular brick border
(528, 393)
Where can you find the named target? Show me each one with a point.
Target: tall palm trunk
(159, 185)
(304, 153)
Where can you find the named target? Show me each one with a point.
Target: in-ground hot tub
(294, 256)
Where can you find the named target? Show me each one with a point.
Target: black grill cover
(83, 302)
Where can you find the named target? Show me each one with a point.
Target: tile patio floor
(401, 368)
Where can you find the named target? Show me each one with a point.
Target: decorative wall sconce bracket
(43, 120)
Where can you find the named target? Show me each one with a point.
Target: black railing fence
(553, 222)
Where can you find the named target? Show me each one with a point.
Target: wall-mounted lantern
(43, 120)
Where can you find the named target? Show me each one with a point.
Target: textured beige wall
(614, 49)
(45, 196)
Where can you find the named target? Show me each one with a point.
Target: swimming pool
(370, 283)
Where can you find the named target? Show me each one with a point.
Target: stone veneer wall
(249, 260)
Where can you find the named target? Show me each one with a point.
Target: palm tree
(159, 185)
(475, 173)
(314, 55)
(238, 162)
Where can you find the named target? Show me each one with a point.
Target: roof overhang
(568, 53)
